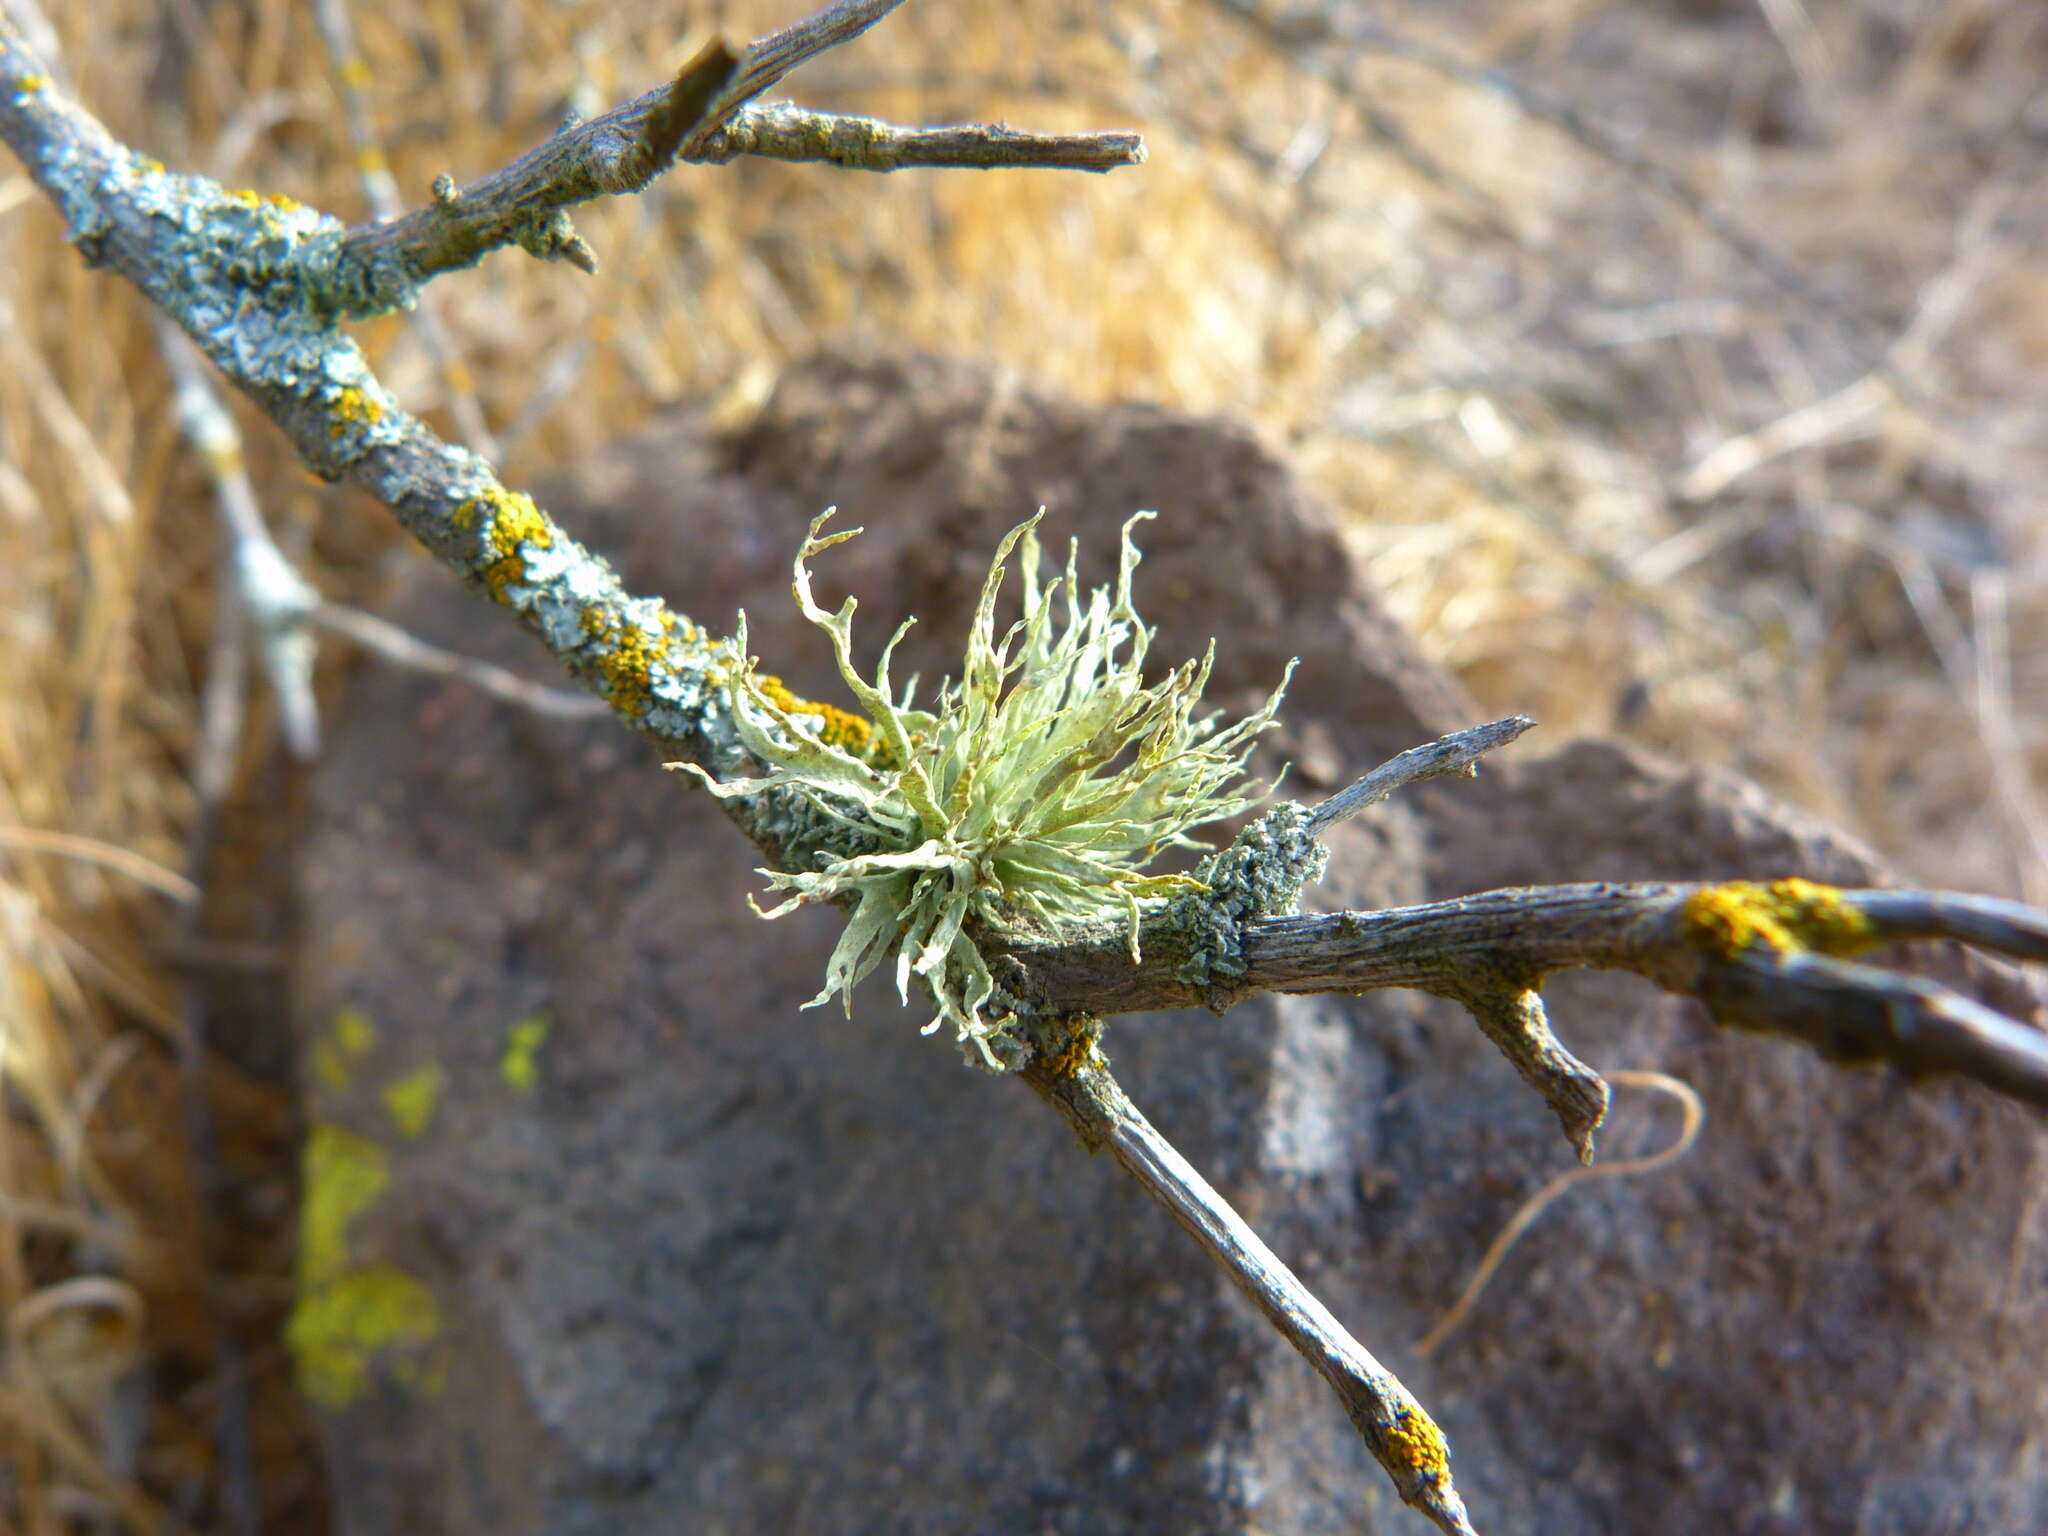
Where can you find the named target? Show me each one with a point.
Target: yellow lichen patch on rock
(1785, 916)
(337, 1331)
(345, 1315)
(347, 1042)
(836, 727)
(520, 1063)
(410, 1099)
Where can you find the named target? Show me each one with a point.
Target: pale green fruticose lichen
(1040, 785)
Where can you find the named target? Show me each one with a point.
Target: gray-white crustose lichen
(1040, 785)
(1260, 874)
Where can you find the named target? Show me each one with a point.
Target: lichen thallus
(1039, 786)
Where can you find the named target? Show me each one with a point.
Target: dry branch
(782, 131)
(1400, 1434)
(1765, 957)
(381, 266)
(380, 192)
(382, 638)
(1457, 753)
(260, 283)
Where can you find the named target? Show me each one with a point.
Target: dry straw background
(1611, 469)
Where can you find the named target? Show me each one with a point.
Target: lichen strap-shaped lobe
(1039, 785)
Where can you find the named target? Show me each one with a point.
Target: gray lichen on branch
(262, 284)
(1261, 874)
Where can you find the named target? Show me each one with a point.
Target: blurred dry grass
(1615, 475)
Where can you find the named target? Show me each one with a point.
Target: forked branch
(1767, 957)
(260, 283)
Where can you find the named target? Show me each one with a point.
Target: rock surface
(673, 1256)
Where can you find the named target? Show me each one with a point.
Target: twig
(1761, 956)
(696, 117)
(769, 58)
(782, 131)
(381, 266)
(1851, 1012)
(1401, 1435)
(395, 645)
(1457, 753)
(1500, 995)
(1504, 1002)
(380, 192)
(275, 596)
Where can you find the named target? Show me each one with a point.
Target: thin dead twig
(702, 115)
(385, 639)
(1457, 753)
(1401, 1435)
(782, 131)
(382, 265)
(265, 584)
(769, 58)
(380, 192)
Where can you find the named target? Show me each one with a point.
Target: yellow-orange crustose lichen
(1784, 916)
(277, 200)
(1082, 1036)
(513, 521)
(1419, 1444)
(627, 658)
(836, 727)
(351, 1317)
(352, 407)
